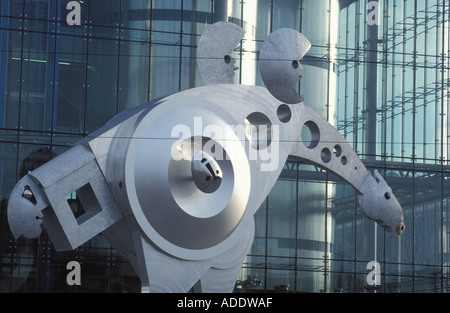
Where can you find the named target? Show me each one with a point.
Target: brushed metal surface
(279, 63)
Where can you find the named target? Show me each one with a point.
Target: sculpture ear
(214, 52)
(279, 63)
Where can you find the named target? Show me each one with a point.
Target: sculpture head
(28, 202)
(280, 66)
(214, 51)
(379, 204)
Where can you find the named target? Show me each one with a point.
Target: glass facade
(385, 88)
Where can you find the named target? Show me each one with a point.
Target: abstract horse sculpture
(175, 183)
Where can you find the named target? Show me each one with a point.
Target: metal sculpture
(174, 184)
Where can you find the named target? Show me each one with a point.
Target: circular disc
(168, 205)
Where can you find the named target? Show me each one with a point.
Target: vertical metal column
(369, 237)
(220, 10)
(4, 35)
(371, 91)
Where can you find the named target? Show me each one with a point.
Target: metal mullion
(150, 43)
(442, 138)
(181, 46)
(413, 140)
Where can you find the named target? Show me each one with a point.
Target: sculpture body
(174, 184)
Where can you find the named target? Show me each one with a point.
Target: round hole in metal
(325, 155)
(310, 134)
(284, 113)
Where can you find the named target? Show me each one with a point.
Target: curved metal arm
(327, 148)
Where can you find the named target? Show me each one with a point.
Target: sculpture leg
(160, 272)
(222, 276)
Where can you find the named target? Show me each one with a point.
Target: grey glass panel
(197, 15)
(36, 93)
(134, 74)
(8, 167)
(282, 224)
(251, 280)
(70, 85)
(286, 14)
(189, 75)
(12, 79)
(102, 82)
(260, 242)
(166, 15)
(427, 218)
(165, 65)
(312, 245)
(280, 280)
(107, 13)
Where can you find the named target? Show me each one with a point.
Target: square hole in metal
(84, 204)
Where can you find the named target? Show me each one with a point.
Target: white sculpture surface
(175, 184)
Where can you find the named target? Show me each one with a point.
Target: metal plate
(279, 63)
(168, 206)
(214, 51)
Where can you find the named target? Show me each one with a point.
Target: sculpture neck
(327, 148)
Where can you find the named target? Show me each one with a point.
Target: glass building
(384, 86)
